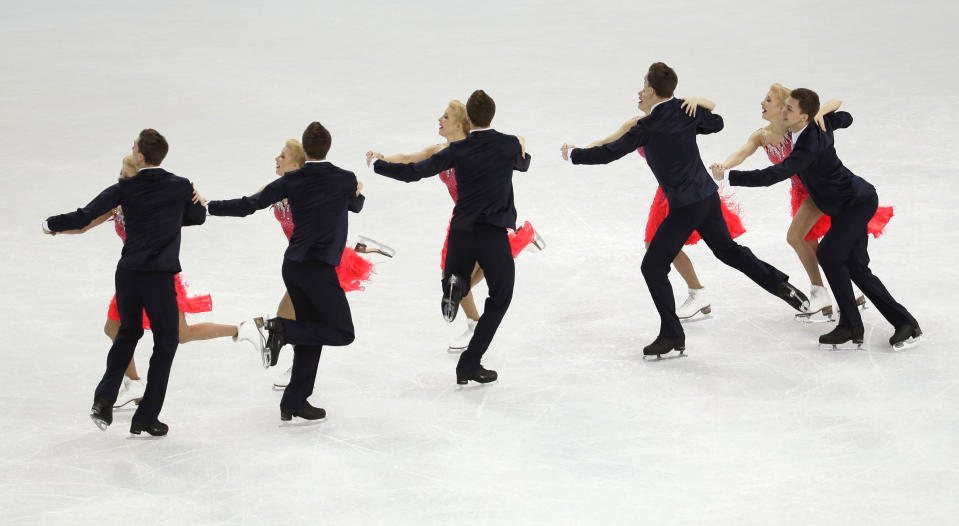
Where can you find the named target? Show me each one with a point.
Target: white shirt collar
(481, 129)
(147, 168)
(658, 103)
(795, 135)
(317, 161)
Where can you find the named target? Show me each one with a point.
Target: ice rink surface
(755, 426)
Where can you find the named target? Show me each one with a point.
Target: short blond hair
(779, 92)
(297, 152)
(458, 113)
(128, 161)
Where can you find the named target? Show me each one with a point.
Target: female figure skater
(697, 301)
(454, 126)
(352, 271)
(133, 387)
(809, 224)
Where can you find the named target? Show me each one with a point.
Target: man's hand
(370, 155)
(719, 171)
(565, 151)
(197, 198)
(359, 188)
(43, 226)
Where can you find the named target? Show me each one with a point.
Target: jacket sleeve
(101, 204)
(193, 214)
(356, 203)
(522, 163)
(409, 172)
(607, 153)
(797, 161)
(837, 119)
(709, 122)
(244, 206)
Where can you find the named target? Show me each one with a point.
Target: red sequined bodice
(449, 179)
(778, 152)
(119, 225)
(284, 214)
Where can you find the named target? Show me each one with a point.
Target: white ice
(755, 426)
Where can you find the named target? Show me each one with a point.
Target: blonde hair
(128, 161)
(779, 92)
(297, 152)
(458, 112)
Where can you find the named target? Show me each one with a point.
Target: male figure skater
(851, 202)
(484, 164)
(669, 138)
(319, 194)
(155, 205)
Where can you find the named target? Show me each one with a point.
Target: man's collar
(658, 103)
(481, 130)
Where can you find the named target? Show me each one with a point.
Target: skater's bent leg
(685, 268)
(469, 307)
(285, 308)
(111, 328)
(323, 313)
(203, 331)
(806, 217)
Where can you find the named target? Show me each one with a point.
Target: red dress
(660, 209)
(798, 192)
(518, 239)
(184, 302)
(352, 271)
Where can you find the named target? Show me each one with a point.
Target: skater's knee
(795, 238)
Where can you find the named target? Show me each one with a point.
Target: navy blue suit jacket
(668, 137)
(831, 185)
(484, 164)
(320, 194)
(155, 205)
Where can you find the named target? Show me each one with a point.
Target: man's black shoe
(101, 413)
(842, 334)
(452, 294)
(478, 375)
(306, 412)
(662, 345)
(793, 296)
(157, 428)
(276, 340)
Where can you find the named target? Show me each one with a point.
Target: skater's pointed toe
(696, 303)
(249, 331)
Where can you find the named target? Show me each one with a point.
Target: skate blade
(848, 346)
(662, 357)
(144, 436)
(136, 401)
(699, 316)
(538, 241)
(455, 350)
(814, 317)
(279, 387)
(365, 245)
(908, 344)
(102, 424)
(296, 422)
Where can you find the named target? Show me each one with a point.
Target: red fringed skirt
(799, 193)
(660, 209)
